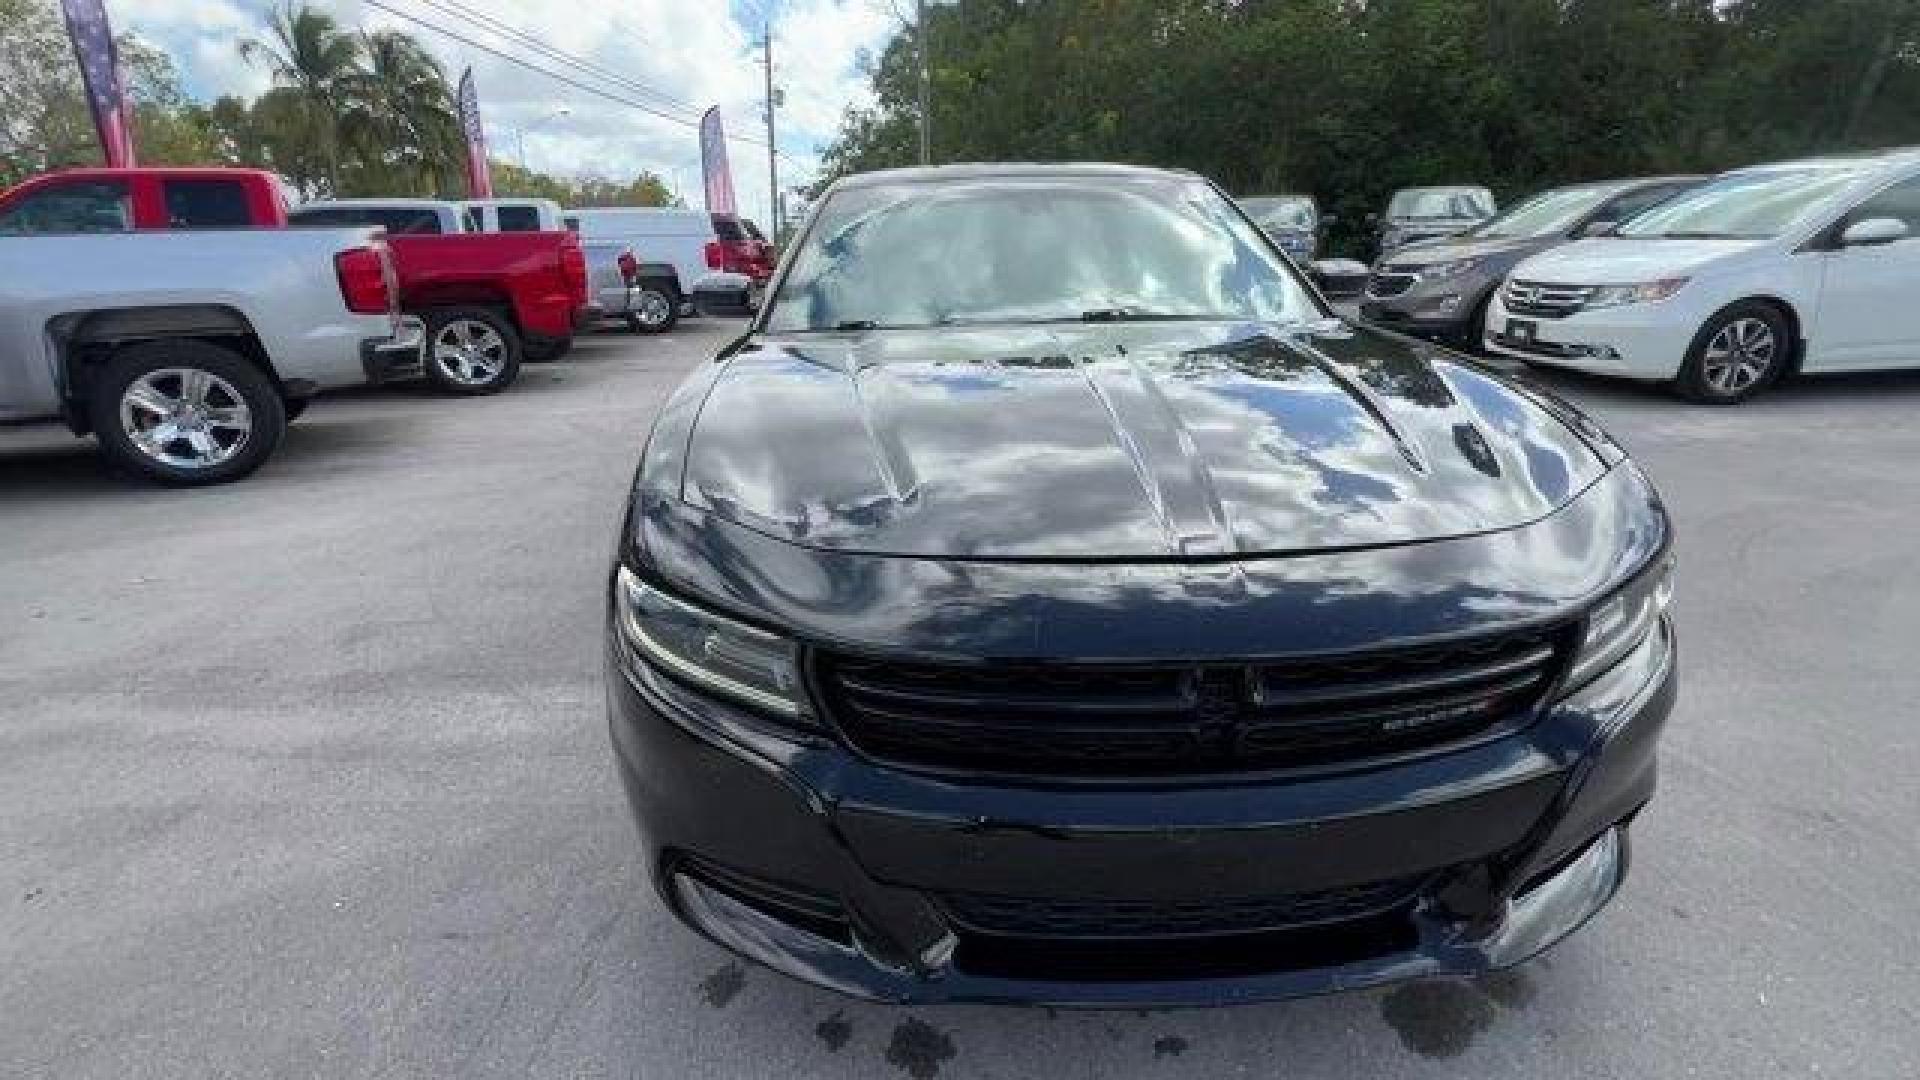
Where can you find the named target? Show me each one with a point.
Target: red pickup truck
(488, 299)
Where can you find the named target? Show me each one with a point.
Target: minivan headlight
(1646, 292)
(729, 658)
(1621, 622)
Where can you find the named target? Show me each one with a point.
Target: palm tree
(310, 56)
(402, 124)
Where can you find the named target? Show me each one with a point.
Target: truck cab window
(206, 204)
(519, 218)
(88, 206)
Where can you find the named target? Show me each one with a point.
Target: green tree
(318, 63)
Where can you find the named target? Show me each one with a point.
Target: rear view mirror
(1871, 231)
(1597, 228)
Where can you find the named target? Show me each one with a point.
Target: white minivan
(1810, 265)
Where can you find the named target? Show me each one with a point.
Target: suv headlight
(718, 654)
(1647, 292)
(1621, 622)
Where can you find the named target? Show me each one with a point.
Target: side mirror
(1597, 228)
(1872, 231)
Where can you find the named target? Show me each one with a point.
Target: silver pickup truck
(186, 353)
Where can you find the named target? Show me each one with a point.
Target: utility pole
(773, 169)
(926, 138)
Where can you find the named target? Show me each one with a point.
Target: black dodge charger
(1049, 600)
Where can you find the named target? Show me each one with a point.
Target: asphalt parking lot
(308, 775)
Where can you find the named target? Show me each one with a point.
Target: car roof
(1892, 156)
(1010, 170)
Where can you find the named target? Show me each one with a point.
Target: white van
(678, 238)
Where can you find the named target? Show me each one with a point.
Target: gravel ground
(309, 775)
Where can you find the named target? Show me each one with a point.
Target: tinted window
(471, 220)
(84, 206)
(1756, 204)
(519, 218)
(206, 204)
(1033, 250)
(1900, 202)
(396, 220)
(728, 229)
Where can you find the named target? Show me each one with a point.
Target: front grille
(1016, 916)
(1145, 721)
(1389, 282)
(1541, 299)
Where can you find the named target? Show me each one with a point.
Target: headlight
(1445, 270)
(1647, 292)
(1622, 622)
(749, 665)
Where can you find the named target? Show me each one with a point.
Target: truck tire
(655, 308)
(185, 413)
(471, 350)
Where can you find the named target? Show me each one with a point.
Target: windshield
(1745, 205)
(1038, 249)
(1288, 214)
(1549, 213)
(1455, 202)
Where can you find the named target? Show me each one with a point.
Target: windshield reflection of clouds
(1006, 250)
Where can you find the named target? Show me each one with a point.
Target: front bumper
(816, 862)
(1635, 341)
(397, 357)
(1436, 310)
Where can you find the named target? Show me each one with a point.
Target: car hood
(1129, 442)
(1431, 226)
(1430, 252)
(1624, 260)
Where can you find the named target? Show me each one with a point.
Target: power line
(651, 110)
(458, 10)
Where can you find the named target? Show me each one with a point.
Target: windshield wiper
(1696, 235)
(856, 324)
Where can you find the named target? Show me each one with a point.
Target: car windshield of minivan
(1284, 215)
(1549, 213)
(1441, 203)
(1032, 250)
(1741, 206)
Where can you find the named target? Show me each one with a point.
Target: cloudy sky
(677, 56)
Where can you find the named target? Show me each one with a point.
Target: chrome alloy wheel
(469, 352)
(1739, 355)
(185, 417)
(652, 308)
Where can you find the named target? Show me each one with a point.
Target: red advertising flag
(479, 175)
(100, 70)
(713, 162)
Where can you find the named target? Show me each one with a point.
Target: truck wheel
(655, 310)
(185, 413)
(471, 350)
